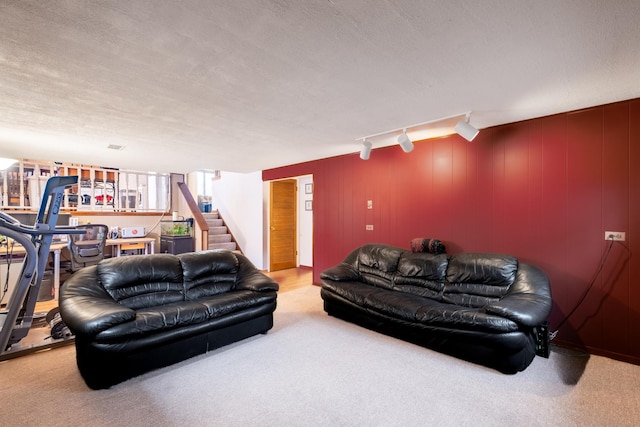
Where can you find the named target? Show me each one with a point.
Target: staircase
(219, 237)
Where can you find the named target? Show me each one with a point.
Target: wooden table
(146, 243)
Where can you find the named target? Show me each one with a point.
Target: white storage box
(128, 232)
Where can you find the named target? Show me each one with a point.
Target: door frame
(301, 198)
(286, 230)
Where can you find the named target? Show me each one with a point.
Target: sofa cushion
(399, 305)
(230, 302)
(452, 316)
(183, 314)
(413, 308)
(208, 273)
(142, 281)
(155, 320)
(377, 264)
(355, 292)
(475, 280)
(421, 274)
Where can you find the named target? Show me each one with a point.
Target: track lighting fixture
(405, 142)
(465, 130)
(404, 136)
(366, 150)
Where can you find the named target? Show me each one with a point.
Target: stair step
(230, 246)
(219, 238)
(212, 215)
(217, 230)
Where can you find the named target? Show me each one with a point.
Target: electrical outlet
(618, 236)
(368, 227)
(369, 204)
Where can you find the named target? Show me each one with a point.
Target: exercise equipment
(18, 316)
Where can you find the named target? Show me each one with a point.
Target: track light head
(366, 150)
(405, 142)
(465, 130)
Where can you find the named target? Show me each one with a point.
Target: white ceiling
(246, 85)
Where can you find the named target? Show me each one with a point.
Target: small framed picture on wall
(308, 205)
(308, 188)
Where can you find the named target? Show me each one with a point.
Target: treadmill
(17, 318)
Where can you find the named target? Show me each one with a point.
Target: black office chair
(87, 249)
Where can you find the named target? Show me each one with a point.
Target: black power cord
(603, 261)
(8, 258)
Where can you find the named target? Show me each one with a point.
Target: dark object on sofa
(433, 246)
(134, 314)
(483, 308)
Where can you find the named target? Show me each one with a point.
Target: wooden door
(283, 225)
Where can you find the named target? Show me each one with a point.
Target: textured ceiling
(245, 85)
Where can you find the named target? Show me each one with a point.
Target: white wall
(266, 193)
(238, 198)
(243, 202)
(305, 222)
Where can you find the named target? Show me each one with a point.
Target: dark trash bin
(47, 291)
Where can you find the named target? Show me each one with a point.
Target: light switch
(369, 204)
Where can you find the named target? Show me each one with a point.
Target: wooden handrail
(193, 207)
(197, 215)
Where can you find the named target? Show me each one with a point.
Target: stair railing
(197, 215)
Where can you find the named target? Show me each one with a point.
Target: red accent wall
(544, 190)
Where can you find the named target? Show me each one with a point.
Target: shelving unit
(96, 189)
(99, 188)
(22, 184)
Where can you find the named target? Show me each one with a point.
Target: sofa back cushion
(421, 273)
(378, 264)
(142, 281)
(475, 280)
(208, 273)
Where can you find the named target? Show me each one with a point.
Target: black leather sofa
(134, 314)
(485, 308)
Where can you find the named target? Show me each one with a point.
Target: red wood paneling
(633, 236)
(544, 190)
(515, 225)
(615, 217)
(553, 220)
(537, 246)
(584, 210)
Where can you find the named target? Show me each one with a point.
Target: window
(204, 181)
(143, 191)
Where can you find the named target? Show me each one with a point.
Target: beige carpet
(314, 370)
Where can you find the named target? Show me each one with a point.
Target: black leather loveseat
(485, 308)
(134, 314)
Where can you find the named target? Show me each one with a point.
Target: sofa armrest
(86, 307)
(257, 281)
(252, 279)
(341, 273)
(528, 301)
